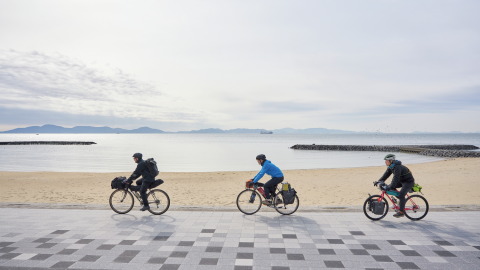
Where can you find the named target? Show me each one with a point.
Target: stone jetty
(448, 151)
(46, 142)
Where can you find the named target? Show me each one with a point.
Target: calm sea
(206, 152)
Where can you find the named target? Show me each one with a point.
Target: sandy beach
(454, 181)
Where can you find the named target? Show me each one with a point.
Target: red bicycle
(376, 206)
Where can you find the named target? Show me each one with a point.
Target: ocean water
(207, 152)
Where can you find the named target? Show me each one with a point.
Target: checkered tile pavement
(99, 239)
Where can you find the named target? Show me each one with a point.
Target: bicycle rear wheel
(249, 201)
(158, 201)
(285, 209)
(416, 207)
(121, 201)
(368, 208)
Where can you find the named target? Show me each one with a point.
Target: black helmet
(261, 157)
(138, 155)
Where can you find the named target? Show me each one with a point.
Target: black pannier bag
(155, 184)
(118, 182)
(289, 196)
(152, 167)
(378, 207)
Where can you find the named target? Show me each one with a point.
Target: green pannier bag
(417, 188)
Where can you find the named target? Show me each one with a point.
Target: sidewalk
(100, 239)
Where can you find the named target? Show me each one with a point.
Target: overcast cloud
(180, 65)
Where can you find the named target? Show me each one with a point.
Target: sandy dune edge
(455, 181)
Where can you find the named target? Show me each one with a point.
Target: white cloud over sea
(393, 66)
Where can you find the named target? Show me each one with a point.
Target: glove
(386, 187)
(376, 183)
(255, 186)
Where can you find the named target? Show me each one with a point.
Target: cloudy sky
(393, 66)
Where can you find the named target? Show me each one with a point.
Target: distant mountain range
(89, 129)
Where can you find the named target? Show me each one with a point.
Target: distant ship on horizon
(266, 132)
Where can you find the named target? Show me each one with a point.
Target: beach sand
(447, 182)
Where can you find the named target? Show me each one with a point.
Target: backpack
(118, 182)
(152, 167)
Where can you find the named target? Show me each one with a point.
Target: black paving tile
(9, 256)
(359, 252)
(208, 230)
(407, 265)
(289, 236)
(67, 252)
(130, 253)
(280, 268)
(105, 247)
(62, 265)
(84, 241)
(127, 242)
(186, 243)
(245, 244)
(444, 253)
(42, 240)
(6, 244)
(123, 259)
(242, 255)
(396, 242)
(477, 247)
(296, 257)
(214, 249)
(356, 233)
(334, 264)
(370, 246)
(208, 261)
(410, 253)
(161, 238)
(60, 231)
(157, 260)
(179, 254)
(443, 243)
(170, 267)
(326, 251)
(47, 245)
(278, 251)
(244, 267)
(90, 258)
(335, 241)
(7, 249)
(382, 258)
(41, 257)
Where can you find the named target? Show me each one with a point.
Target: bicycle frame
(256, 189)
(414, 208)
(139, 199)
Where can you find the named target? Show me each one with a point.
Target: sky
(389, 66)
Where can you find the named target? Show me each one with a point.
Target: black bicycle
(121, 200)
(249, 201)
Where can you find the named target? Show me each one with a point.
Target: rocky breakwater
(47, 143)
(449, 151)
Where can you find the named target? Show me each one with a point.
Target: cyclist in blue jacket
(273, 171)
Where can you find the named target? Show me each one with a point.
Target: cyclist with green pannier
(402, 177)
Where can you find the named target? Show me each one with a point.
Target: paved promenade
(100, 239)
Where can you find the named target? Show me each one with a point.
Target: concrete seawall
(450, 151)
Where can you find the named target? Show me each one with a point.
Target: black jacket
(401, 174)
(143, 171)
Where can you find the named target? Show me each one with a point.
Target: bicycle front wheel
(416, 207)
(368, 208)
(282, 207)
(121, 201)
(158, 201)
(249, 202)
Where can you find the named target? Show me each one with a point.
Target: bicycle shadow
(147, 224)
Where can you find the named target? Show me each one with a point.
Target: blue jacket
(268, 168)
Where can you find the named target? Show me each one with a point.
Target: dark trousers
(270, 186)
(406, 187)
(142, 186)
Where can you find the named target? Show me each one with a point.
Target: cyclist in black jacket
(144, 182)
(402, 177)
